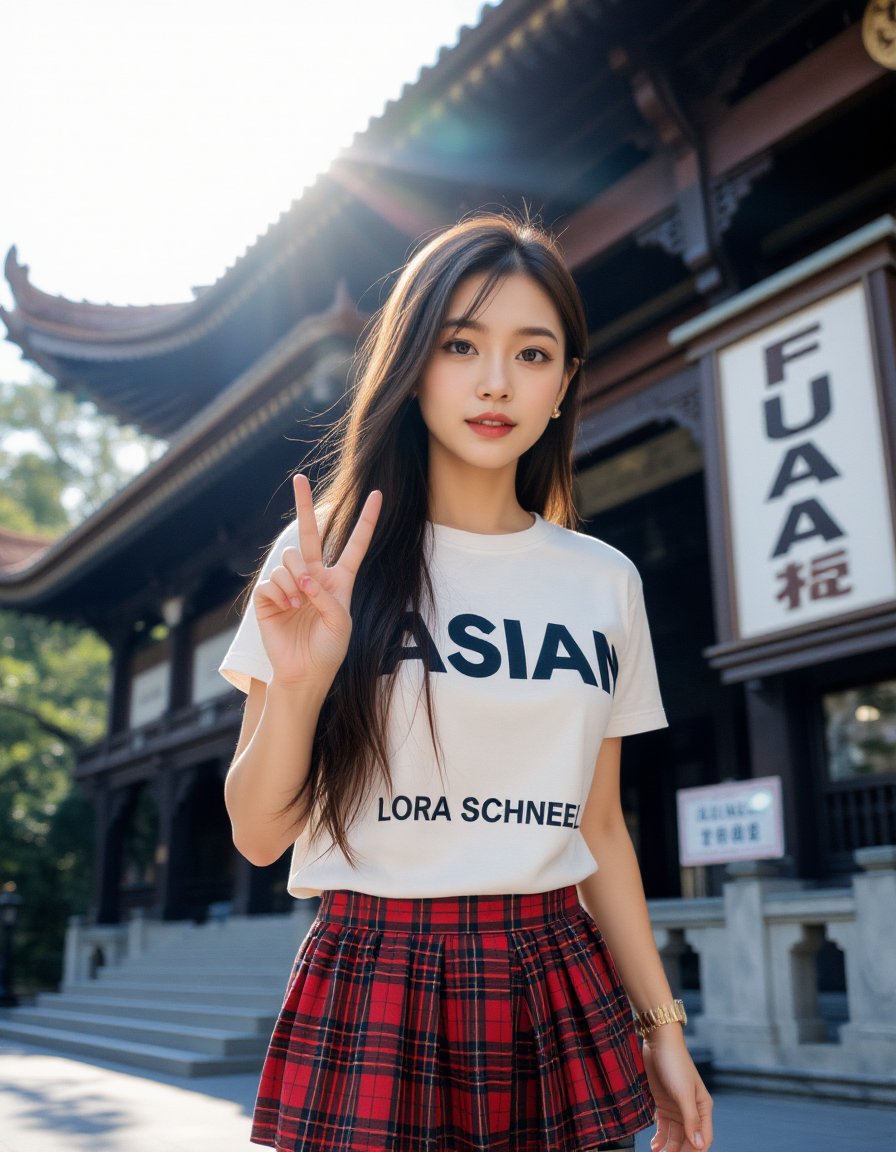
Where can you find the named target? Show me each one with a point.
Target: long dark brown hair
(381, 442)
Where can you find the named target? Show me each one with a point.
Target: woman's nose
(495, 382)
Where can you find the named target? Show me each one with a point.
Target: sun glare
(159, 139)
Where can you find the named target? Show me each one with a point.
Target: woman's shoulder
(590, 550)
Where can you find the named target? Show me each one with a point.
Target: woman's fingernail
(307, 583)
(697, 1140)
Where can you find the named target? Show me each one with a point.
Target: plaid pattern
(454, 1024)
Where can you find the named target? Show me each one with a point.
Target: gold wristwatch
(651, 1019)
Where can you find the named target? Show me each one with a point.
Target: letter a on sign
(817, 466)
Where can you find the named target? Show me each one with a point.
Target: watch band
(653, 1018)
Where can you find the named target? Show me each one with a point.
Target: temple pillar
(249, 894)
(174, 791)
(176, 614)
(771, 724)
(109, 809)
(165, 793)
(119, 688)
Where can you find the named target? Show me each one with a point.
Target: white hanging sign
(149, 694)
(722, 823)
(207, 681)
(808, 491)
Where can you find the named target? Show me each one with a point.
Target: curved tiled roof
(34, 569)
(102, 321)
(20, 550)
(47, 325)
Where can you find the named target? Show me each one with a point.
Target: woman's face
(489, 388)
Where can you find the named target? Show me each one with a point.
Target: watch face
(879, 32)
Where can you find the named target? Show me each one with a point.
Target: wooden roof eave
(19, 549)
(83, 315)
(824, 80)
(54, 328)
(229, 423)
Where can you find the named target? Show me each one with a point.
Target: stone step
(197, 974)
(270, 960)
(230, 1017)
(245, 955)
(219, 947)
(269, 976)
(154, 1057)
(274, 981)
(283, 930)
(136, 1030)
(237, 957)
(266, 998)
(194, 1000)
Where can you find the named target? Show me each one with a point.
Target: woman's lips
(491, 431)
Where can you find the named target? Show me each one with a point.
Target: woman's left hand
(683, 1105)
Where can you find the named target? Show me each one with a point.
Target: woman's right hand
(303, 607)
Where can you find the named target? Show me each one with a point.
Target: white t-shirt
(539, 648)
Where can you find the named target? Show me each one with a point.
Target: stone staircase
(194, 1000)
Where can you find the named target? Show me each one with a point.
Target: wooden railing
(860, 814)
(160, 735)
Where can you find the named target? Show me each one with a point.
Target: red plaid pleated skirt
(454, 1024)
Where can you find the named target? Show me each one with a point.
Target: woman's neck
(484, 502)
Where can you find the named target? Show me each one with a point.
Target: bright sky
(148, 142)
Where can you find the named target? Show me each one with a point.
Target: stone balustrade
(757, 948)
(759, 1013)
(89, 947)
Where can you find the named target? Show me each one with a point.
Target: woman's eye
(533, 356)
(462, 347)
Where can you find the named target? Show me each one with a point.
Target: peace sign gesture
(303, 607)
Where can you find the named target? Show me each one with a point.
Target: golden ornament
(879, 32)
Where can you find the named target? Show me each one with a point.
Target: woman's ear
(571, 368)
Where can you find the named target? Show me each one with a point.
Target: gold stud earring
(555, 415)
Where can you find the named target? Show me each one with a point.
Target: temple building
(722, 179)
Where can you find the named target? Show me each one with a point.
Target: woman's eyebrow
(459, 322)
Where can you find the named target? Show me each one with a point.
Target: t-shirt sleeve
(246, 657)
(637, 705)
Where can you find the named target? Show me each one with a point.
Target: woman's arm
(614, 898)
(302, 609)
(614, 894)
(271, 763)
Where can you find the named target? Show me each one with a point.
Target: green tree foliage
(59, 460)
(53, 683)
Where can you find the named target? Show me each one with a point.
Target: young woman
(438, 683)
